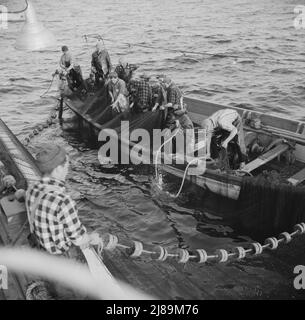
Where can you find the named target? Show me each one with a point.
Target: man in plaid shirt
(177, 113)
(52, 213)
(141, 94)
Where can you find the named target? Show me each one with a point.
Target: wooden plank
(297, 178)
(266, 157)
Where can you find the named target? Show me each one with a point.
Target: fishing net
(98, 109)
(267, 208)
(148, 121)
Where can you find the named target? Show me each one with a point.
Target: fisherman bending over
(177, 112)
(141, 94)
(228, 120)
(118, 93)
(53, 216)
(101, 64)
(125, 70)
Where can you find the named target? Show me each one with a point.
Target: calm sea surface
(250, 54)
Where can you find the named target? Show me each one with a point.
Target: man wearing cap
(100, 63)
(52, 213)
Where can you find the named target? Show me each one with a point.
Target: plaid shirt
(174, 95)
(143, 93)
(56, 223)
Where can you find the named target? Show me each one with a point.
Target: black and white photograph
(152, 153)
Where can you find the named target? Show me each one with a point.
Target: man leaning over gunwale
(54, 221)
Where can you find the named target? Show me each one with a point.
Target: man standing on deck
(101, 64)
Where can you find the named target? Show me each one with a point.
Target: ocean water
(237, 52)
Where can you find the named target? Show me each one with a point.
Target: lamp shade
(34, 36)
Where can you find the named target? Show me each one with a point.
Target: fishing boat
(272, 142)
(166, 280)
(273, 177)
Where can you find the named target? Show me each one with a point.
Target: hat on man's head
(50, 156)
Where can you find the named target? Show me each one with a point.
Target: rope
(184, 52)
(110, 242)
(53, 76)
(184, 175)
(158, 151)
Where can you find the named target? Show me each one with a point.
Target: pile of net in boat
(100, 111)
(269, 206)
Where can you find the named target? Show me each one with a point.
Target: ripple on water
(115, 199)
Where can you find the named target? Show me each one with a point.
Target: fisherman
(52, 213)
(100, 63)
(230, 121)
(118, 93)
(125, 70)
(90, 83)
(159, 98)
(176, 108)
(140, 94)
(75, 78)
(65, 62)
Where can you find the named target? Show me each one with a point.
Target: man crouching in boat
(52, 214)
(177, 114)
(176, 107)
(140, 94)
(230, 122)
(118, 93)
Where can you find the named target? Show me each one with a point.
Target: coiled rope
(110, 242)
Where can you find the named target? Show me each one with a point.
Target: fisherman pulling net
(112, 95)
